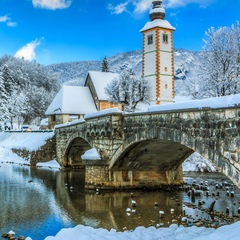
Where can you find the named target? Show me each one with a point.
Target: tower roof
(157, 15)
(157, 12)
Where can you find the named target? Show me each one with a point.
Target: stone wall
(96, 175)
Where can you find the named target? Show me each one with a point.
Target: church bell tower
(158, 56)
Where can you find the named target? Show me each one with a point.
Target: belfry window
(165, 38)
(150, 39)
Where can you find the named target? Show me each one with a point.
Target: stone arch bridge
(148, 149)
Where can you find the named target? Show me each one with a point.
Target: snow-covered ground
(196, 163)
(32, 141)
(230, 232)
(23, 140)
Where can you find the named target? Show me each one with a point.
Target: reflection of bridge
(149, 148)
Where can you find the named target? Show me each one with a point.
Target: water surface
(39, 202)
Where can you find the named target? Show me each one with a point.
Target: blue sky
(53, 31)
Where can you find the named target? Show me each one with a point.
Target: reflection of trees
(23, 202)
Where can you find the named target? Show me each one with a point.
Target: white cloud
(8, 21)
(52, 4)
(118, 9)
(141, 6)
(4, 18)
(11, 24)
(28, 51)
(182, 3)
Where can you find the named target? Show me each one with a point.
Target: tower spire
(157, 12)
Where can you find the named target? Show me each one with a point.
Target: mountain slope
(187, 64)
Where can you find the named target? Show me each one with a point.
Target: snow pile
(91, 154)
(218, 102)
(6, 155)
(81, 120)
(24, 140)
(103, 112)
(196, 163)
(174, 232)
(50, 164)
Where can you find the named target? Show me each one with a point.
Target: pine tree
(7, 80)
(105, 67)
(3, 100)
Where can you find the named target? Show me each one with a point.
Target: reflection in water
(54, 200)
(27, 203)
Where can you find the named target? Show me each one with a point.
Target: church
(73, 102)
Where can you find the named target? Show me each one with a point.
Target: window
(166, 86)
(150, 39)
(165, 38)
(165, 69)
(53, 118)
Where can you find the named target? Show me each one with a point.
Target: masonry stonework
(146, 148)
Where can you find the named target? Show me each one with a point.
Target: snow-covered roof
(100, 81)
(72, 100)
(157, 23)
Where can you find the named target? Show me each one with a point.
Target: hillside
(74, 73)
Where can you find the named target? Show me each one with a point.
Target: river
(38, 202)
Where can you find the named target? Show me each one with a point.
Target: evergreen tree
(3, 100)
(7, 80)
(128, 89)
(26, 89)
(105, 67)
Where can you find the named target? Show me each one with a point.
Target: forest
(26, 90)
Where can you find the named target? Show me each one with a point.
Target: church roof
(100, 80)
(72, 100)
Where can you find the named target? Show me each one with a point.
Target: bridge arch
(76, 146)
(166, 149)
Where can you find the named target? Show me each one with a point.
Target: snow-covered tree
(16, 107)
(105, 66)
(3, 100)
(129, 89)
(7, 80)
(29, 89)
(220, 75)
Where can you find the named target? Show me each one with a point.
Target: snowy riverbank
(26, 141)
(230, 232)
